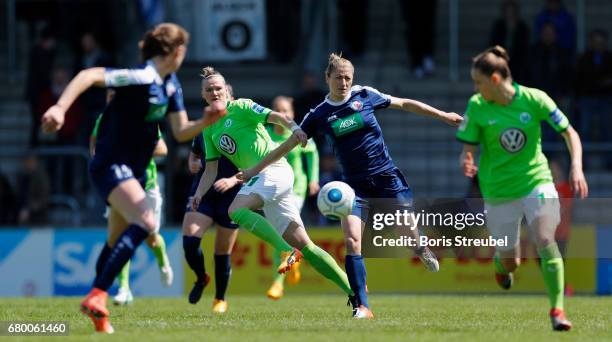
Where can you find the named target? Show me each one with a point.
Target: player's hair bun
(500, 52)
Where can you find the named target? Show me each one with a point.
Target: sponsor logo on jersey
(257, 108)
(356, 105)
(227, 144)
(525, 117)
(348, 124)
(556, 116)
(513, 139)
(492, 122)
(332, 118)
(228, 123)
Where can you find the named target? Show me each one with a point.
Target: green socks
(160, 251)
(318, 258)
(499, 267)
(124, 276)
(326, 265)
(260, 227)
(276, 258)
(553, 272)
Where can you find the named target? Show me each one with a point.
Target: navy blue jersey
(353, 130)
(225, 168)
(128, 131)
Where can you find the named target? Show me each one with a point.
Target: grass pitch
(326, 318)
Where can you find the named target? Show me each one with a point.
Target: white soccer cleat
(124, 297)
(167, 276)
(429, 260)
(361, 312)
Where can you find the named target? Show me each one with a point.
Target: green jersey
(150, 172)
(240, 135)
(511, 160)
(294, 157)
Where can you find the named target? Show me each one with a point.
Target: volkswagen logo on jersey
(227, 144)
(513, 140)
(356, 105)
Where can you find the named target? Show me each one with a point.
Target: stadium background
(261, 48)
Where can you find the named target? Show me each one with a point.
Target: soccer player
(237, 132)
(306, 182)
(213, 208)
(127, 136)
(116, 223)
(504, 119)
(346, 118)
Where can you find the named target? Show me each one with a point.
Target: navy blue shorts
(216, 205)
(384, 191)
(106, 178)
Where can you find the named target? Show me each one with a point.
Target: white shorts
(505, 219)
(275, 186)
(299, 202)
(154, 201)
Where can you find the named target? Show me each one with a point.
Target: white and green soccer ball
(335, 200)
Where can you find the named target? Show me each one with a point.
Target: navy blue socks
(356, 273)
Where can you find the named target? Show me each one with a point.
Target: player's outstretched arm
(183, 129)
(53, 119)
(577, 180)
(466, 160)
(206, 181)
(413, 106)
(278, 118)
(273, 156)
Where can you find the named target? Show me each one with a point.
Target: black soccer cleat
(198, 288)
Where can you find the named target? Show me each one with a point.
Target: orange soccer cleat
(290, 260)
(94, 306)
(276, 291)
(558, 320)
(219, 306)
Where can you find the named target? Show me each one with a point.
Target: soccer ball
(335, 200)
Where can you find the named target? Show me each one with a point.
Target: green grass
(325, 318)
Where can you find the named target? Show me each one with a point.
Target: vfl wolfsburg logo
(227, 144)
(513, 140)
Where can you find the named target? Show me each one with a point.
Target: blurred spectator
(33, 191)
(8, 202)
(93, 100)
(353, 15)
(283, 21)
(63, 169)
(42, 57)
(554, 12)
(551, 66)
(317, 34)
(594, 88)
(420, 17)
(550, 71)
(511, 32)
(310, 95)
(60, 77)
